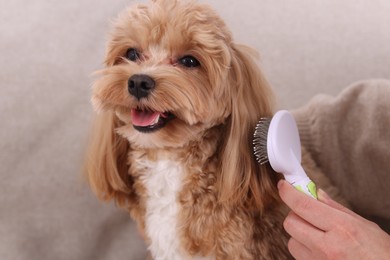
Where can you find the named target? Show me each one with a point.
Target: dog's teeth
(156, 120)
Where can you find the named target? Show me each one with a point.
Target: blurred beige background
(48, 50)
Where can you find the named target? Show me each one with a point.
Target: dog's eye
(132, 54)
(189, 62)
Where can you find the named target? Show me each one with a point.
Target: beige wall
(311, 46)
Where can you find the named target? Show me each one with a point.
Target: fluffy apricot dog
(177, 103)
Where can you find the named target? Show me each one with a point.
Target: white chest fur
(163, 183)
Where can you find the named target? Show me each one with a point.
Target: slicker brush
(277, 141)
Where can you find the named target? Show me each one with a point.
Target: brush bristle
(260, 140)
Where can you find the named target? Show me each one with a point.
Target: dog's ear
(243, 179)
(106, 165)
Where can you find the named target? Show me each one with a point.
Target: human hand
(324, 229)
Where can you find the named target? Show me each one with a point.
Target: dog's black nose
(140, 85)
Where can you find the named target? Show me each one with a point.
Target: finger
(298, 250)
(302, 231)
(313, 211)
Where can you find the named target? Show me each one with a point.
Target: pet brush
(277, 141)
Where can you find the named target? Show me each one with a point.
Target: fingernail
(323, 195)
(280, 183)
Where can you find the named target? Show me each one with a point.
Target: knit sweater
(349, 138)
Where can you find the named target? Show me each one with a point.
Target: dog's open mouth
(147, 121)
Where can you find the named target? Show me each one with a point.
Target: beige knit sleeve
(349, 138)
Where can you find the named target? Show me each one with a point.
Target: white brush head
(284, 146)
(277, 141)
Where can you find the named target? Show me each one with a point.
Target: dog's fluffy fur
(193, 186)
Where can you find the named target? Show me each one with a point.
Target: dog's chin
(173, 134)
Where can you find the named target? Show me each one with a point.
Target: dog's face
(167, 74)
(173, 72)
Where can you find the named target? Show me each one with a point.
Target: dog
(178, 102)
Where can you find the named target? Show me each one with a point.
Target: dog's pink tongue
(143, 118)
